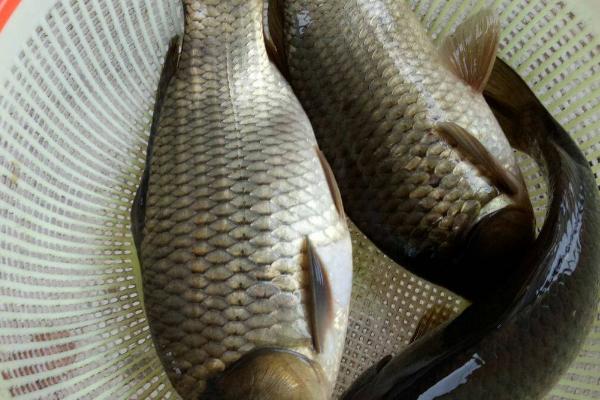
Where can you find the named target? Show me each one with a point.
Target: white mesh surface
(77, 83)
(75, 106)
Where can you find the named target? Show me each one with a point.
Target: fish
(245, 254)
(515, 344)
(424, 168)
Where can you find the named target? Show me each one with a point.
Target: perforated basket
(77, 84)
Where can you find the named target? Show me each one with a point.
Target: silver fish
(518, 342)
(425, 170)
(246, 256)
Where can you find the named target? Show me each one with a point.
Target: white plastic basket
(77, 84)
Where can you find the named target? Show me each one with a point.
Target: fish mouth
(270, 374)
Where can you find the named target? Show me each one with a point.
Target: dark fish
(425, 170)
(517, 342)
(246, 257)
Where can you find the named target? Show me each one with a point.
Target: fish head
(486, 253)
(491, 238)
(270, 374)
(493, 249)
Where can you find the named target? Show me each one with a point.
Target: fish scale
(235, 188)
(516, 343)
(375, 88)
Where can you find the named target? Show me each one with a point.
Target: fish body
(246, 258)
(419, 156)
(515, 344)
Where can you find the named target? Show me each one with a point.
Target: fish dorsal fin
(472, 149)
(321, 307)
(332, 183)
(471, 50)
(428, 322)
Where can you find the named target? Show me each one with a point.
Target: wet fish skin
(517, 343)
(233, 197)
(377, 91)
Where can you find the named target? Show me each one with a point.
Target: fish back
(235, 189)
(377, 91)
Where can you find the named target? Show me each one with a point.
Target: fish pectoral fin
(429, 322)
(272, 50)
(471, 50)
(332, 184)
(138, 209)
(472, 149)
(320, 301)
